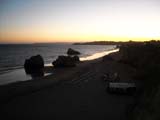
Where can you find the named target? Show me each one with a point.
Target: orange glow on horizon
(47, 36)
(79, 34)
(45, 39)
(30, 21)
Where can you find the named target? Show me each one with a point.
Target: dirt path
(82, 98)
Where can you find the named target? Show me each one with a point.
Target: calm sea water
(13, 56)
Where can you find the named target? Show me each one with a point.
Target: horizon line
(5, 43)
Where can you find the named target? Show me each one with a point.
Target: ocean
(12, 57)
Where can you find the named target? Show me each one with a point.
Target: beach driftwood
(34, 64)
(72, 52)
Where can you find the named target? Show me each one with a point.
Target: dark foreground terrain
(79, 93)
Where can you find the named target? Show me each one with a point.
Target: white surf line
(98, 55)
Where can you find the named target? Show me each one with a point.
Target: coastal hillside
(145, 58)
(114, 42)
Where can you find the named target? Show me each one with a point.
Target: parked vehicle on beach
(115, 84)
(121, 87)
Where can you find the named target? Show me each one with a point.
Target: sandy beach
(69, 93)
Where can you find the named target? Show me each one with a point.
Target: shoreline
(11, 90)
(9, 76)
(50, 69)
(21, 87)
(49, 57)
(29, 86)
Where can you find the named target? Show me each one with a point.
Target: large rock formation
(65, 61)
(35, 64)
(75, 58)
(72, 52)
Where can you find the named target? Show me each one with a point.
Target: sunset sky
(29, 21)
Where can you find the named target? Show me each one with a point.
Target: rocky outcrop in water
(35, 64)
(65, 61)
(72, 52)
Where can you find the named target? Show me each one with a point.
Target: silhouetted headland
(130, 42)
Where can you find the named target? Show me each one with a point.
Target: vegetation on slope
(146, 59)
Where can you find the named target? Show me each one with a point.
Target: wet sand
(70, 93)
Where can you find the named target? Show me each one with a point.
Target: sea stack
(35, 64)
(72, 52)
(65, 61)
